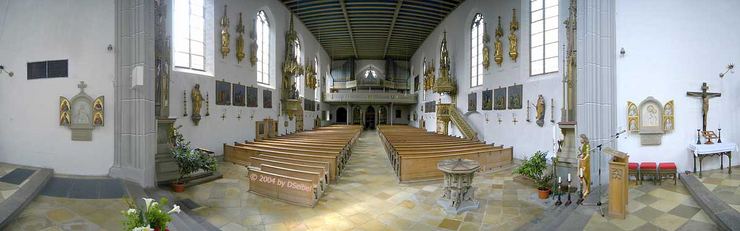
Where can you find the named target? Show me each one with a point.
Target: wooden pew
(315, 177)
(286, 188)
(241, 155)
(259, 161)
(414, 153)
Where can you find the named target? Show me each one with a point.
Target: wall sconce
(622, 52)
(729, 68)
(2, 69)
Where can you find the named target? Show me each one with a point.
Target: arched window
(317, 90)
(424, 79)
(476, 51)
(262, 28)
(299, 58)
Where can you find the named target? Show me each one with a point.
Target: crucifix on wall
(705, 96)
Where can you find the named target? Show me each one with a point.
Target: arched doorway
(341, 115)
(370, 118)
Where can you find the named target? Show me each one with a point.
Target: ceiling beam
(393, 24)
(349, 27)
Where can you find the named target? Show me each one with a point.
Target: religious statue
(705, 96)
(498, 53)
(540, 107)
(584, 165)
(240, 40)
(486, 52)
(225, 35)
(162, 51)
(570, 72)
(513, 40)
(197, 101)
(444, 84)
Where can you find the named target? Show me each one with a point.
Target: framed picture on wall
(499, 98)
(223, 93)
(487, 96)
(515, 96)
(473, 101)
(239, 95)
(266, 98)
(252, 96)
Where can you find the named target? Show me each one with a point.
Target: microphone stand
(599, 147)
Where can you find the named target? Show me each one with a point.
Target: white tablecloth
(700, 149)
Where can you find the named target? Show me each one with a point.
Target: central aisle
(367, 196)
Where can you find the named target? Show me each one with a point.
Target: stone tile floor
(656, 207)
(57, 213)
(7, 189)
(723, 185)
(366, 197)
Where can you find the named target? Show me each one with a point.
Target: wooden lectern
(618, 183)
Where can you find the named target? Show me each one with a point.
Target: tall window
(189, 34)
(299, 58)
(424, 79)
(544, 37)
(262, 28)
(476, 51)
(317, 90)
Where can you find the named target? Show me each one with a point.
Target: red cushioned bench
(634, 170)
(667, 169)
(648, 169)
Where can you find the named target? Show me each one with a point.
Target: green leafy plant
(150, 217)
(189, 160)
(535, 168)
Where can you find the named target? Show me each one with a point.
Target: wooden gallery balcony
(370, 97)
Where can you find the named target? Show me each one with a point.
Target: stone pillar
(135, 130)
(596, 85)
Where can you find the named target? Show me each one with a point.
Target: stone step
(12, 206)
(726, 217)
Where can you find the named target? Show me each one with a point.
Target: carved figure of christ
(705, 96)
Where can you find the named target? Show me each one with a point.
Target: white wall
(457, 25)
(671, 48)
(213, 131)
(39, 30)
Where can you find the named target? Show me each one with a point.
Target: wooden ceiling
(365, 29)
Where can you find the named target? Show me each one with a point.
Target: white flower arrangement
(151, 217)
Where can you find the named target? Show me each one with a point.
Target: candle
(560, 180)
(580, 172)
(568, 177)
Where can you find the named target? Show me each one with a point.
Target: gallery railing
(367, 97)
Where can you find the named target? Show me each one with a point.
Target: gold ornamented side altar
(618, 183)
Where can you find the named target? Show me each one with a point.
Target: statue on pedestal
(584, 165)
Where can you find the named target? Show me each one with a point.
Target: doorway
(370, 118)
(342, 115)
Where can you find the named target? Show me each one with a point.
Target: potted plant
(151, 217)
(534, 169)
(188, 160)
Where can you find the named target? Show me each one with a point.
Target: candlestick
(568, 177)
(185, 103)
(568, 188)
(720, 135)
(559, 202)
(560, 180)
(698, 136)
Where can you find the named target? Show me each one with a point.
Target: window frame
(543, 8)
(476, 55)
(189, 39)
(263, 45)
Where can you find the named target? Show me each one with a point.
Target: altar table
(718, 149)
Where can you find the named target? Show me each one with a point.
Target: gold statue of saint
(498, 52)
(240, 40)
(486, 57)
(540, 107)
(584, 165)
(197, 100)
(513, 40)
(225, 35)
